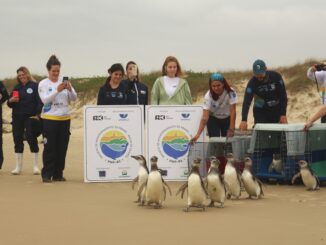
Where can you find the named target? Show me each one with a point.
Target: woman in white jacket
(55, 95)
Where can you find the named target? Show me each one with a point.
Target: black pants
(266, 116)
(217, 127)
(323, 119)
(1, 150)
(22, 125)
(56, 139)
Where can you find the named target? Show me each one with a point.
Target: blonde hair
(172, 59)
(26, 71)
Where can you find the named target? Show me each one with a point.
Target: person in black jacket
(26, 108)
(113, 92)
(3, 97)
(269, 94)
(137, 92)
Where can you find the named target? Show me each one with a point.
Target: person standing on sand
(137, 92)
(219, 111)
(26, 104)
(113, 92)
(56, 95)
(3, 97)
(270, 99)
(170, 88)
(317, 73)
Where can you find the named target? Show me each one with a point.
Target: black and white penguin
(197, 194)
(309, 179)
(215, 183)
(142, 175)
(252, 185)
(232, 178)
(276, 164)
(155, 192)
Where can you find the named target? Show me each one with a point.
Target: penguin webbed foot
(211, 205)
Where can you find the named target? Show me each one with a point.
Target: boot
(36, 171)
(19, 164)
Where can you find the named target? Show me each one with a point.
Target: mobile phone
(65, 79)
(134, 70)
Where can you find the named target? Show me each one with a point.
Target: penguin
(142, 175)
(252, 185)
(215, 183)
(310, 180)
(154, 187)
(232, 178)
(276, 164)
(197, 194)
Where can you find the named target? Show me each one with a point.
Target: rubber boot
(19, 164)
(36, 170)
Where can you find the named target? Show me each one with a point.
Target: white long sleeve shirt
(321, 80)
(56, 105)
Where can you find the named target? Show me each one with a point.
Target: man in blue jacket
(270, 99)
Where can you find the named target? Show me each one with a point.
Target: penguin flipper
(164, 183)
(164, 193)
(203, 186)
(134, 182)
(295, 177)
(141, 188)
(182, 189)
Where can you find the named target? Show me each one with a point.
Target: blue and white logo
(123, 116)
(185, 115)
(29, 90)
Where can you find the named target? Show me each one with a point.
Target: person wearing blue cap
(270, 99)
(219, 109)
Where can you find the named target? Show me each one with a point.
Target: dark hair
(226, 85)
(133, 63)
(116, 67)
(53, 61)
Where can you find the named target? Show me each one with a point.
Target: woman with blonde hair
(171, 88)
(26, 107)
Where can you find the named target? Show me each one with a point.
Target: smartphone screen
(134, 70)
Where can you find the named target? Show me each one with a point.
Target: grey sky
(88, 36)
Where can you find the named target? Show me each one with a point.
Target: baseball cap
(259, 67)
(217, 77)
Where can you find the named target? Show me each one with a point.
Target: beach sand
(104, 213)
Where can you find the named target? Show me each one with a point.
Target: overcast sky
(215, 35)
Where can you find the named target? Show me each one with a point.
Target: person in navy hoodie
(113, 92)
(26, 108)
(137, 92)
(3, 97)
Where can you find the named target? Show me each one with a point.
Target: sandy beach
(104, 213)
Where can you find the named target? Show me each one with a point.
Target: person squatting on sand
(270, 99)
(3, 97)
(317, 73)
(26, 108)
(219, 112)
(170, 88)
(113, 92)
(56, 95)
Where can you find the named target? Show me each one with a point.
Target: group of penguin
(214, 187)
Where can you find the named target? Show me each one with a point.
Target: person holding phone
(26, 108)
(113, 92)
(56, 94)
(137, 92)
(170, 88)
(3, 97)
